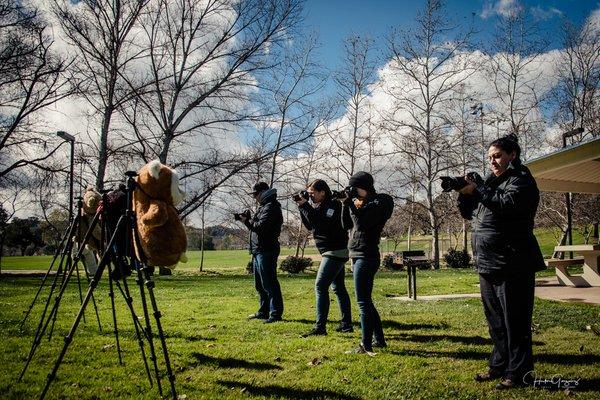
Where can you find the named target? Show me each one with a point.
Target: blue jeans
(370, 322)
(267, 285)
(331, 273)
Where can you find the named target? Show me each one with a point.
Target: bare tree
(102, 32)
(513, 67)
(576, 96)
(31, 80)
(353, 131)
(428, 68)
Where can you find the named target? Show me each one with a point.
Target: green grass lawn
(434, 349)
(234, 261)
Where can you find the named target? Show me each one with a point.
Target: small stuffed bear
(162, 236)
(91, 201)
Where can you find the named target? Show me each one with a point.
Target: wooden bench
(412, 259)
(563, 276)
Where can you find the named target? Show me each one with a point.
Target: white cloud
(503, 8)
(540, 13)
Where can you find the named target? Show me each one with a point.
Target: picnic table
(590, 260)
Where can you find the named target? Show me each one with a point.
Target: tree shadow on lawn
(285, 392)
(565, 359)
(474, 340)
(233, 362)
(390, 324)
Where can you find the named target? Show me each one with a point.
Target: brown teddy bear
(162, 235)
(91, 201)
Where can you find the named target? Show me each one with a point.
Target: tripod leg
(69, 338)
(56, 254)
(111, 294)
(137, 325)
(80, 291)
(93, 283)
(149, 283)
(87, 276)
(148, 329)
(43, 324)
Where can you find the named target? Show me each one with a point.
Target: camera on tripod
(348, 191)
(303, 194)
(458, 182)
(245, 214)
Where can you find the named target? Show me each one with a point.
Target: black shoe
(344, 328)
(487, 376)
(361, 350)
(270, 320)
(505, 384)
(315, 332)
(257, 316)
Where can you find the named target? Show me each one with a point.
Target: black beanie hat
(259, 187)
(362, 180)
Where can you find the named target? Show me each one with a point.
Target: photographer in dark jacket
(507, 256)
(265, 228)
(325, 221)
(365, 212)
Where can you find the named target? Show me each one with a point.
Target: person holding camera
(507, 255)
(265, 228)
(323, 218)
(365, 212)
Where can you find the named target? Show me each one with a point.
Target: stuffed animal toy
(162, 236)
(91, 201)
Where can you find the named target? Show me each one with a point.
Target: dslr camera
(348, 191)
(458, 182)
(300, 195)
(245, 214)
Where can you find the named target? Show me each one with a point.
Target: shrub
(388, 263)
(294, 265)
(457, 258)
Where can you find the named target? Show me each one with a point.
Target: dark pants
(267, 285)
(331, 273)
(370, 322)
(508, 306)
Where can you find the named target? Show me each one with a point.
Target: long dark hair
(508, 144)
(320, 185)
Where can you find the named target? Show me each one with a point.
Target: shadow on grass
(389, 324)
(272, 391)
(474, 340)
(565, 359)
(588, 385)
(233, 362)
(189, 338)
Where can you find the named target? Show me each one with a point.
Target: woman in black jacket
(366, 214)
(323, 218)
(507, 256)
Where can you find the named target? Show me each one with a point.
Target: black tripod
(125, 230)
(65, 259)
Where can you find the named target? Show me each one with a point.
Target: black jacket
(265, 226)
(366, 223)
(502, 212)
(325, 222)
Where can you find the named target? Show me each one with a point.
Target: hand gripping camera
(300, 195)
(458, 182)
(245, 214)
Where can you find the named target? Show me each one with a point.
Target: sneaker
(487, 376)
(315, 332)
(344, 328)
(270, 320)
(361, 350)
(257, 316)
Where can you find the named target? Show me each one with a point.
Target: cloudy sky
(336, 19)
